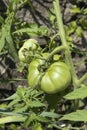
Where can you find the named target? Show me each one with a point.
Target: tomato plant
(54, 92)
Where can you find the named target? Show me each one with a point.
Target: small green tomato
(29, 45)
(34, 73)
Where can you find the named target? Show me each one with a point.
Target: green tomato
(34, 73)
(30, 45)
(52, 79)
(56, 78)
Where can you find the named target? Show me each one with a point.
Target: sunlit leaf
(83, 23)
(50, 114)
(21, 108)
(79, 115)
(2, 39)
(9, 119)
(21, 91)
(9, 113)
(79, 93)
(34, 31)
(36, 104)
(42, 119)
(1, 20)
(10, 97)
(79, 31)
(75, 9)
(13, 102)
(9, 39)
(30, 119)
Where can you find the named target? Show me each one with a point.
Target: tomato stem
(56, 50)
(64, 42)
(82, 79)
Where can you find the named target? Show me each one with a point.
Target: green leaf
(21, 91)
(13, 102)
(50, 114)
(42, 119)
(79, 93)
(36, 104)
(9, 40)
(15, 5)
(37, 31)
(30, 119)
(1, 20)
(79, 115)
(20, 108)
(10, 97)
(79, 31)
(83, 23)
(11, 47)
(71, 28)
(75, 9)
(43, 31)
(9, 119)
(2, 39)
(34, 117)
(6, 37)
(85, 11)
(9, 113)
(29, 31)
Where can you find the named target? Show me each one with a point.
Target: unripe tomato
(33, 73)
(30, 45)
(56, 78)
(50, 78)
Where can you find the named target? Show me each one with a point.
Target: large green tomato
(30, 45)
(56, 78)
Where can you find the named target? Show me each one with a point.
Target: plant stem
(54, 37)
(64, 42)
(56, 50)
(81, 80)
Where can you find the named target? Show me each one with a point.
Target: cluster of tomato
(50, 77)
